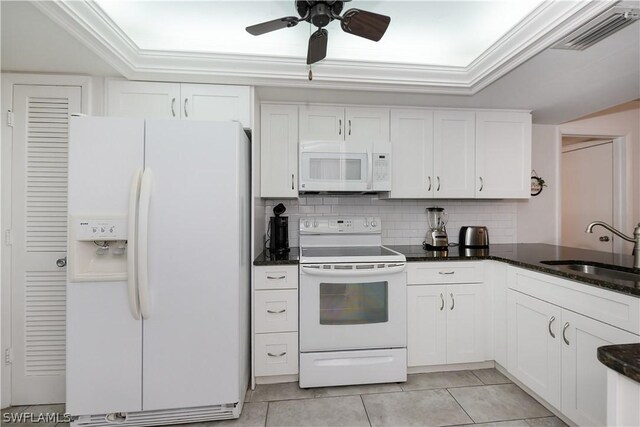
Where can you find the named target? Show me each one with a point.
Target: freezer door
(192, 341)
(104, 341)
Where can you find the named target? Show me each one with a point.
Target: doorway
(587, 192)
(596, 180)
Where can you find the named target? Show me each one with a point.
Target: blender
(436, 238)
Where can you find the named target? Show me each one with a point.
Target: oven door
(335, 166)
(352, 306)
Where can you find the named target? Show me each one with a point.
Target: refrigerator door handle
(143, 241)
(132, 274)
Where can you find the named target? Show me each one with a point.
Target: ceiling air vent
(599, 28)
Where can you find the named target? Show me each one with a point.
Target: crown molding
(547, 24)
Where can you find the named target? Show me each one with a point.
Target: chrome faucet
(635, 239)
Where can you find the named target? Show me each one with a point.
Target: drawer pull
(446, 272)
(276, 312)
(276, 278)
(277, 355)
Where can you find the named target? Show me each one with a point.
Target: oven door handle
(319, 271)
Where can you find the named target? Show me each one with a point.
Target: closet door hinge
(8, 240)
(10, 118)
(8, 356)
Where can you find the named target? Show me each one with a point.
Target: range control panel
(340, 225)
(101, 228)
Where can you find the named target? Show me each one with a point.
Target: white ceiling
(558, 85)
(445, 33)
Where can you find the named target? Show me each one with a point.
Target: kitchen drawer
(425, 273)
(276, 311)
(276, 277)
(276, 354)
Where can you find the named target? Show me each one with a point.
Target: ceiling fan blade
(365, 24)
(276, 24)
(317, 46)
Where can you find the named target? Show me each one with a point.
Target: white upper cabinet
(180, 101)
(411, 154)
(216, 102)
(454, 144)
(143, 99)
(503, 155)
(328, 123)
(279, 151)
(320, 123)
(367, 124)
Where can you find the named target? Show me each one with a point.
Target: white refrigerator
(158, 271)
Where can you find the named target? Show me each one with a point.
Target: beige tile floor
(461, 398)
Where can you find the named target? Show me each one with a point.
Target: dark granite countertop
(525, 255)
(622, 358)
(268, 258)
(530, 255)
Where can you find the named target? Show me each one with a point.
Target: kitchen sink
(597, 269)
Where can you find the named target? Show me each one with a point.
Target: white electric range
(353, 327)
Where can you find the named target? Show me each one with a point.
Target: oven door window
(354, 303)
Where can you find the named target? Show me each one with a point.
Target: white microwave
(344, 167)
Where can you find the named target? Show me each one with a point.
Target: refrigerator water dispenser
(97, 248)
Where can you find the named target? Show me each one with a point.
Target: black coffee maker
(279, 231)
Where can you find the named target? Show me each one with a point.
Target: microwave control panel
(381, 172)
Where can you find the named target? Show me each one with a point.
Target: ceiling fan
(320, 13)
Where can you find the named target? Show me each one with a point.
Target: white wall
(404, 222)
(622, 123)
(538, 217)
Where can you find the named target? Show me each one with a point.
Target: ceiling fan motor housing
(319, 13)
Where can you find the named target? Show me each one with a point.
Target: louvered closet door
(39, 231)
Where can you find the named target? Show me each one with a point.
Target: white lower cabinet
(275, 320)
(445, 324)
(553, 350)
(534, 334)
(426, 325)
(584, 378)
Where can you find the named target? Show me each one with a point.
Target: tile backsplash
(404, 222)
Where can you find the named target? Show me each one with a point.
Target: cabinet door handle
(292, 181)
(453, 301)
(438, 179)
(481, 184)
(173, 107)
(564, 333)
(186, 114)
(339, 126)
(604, 238)
(446, 272)
(276, 277)
(553, 319)
(277, 355)
(277, 312)
(429, 189)
(349, 126)
(441, 299)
